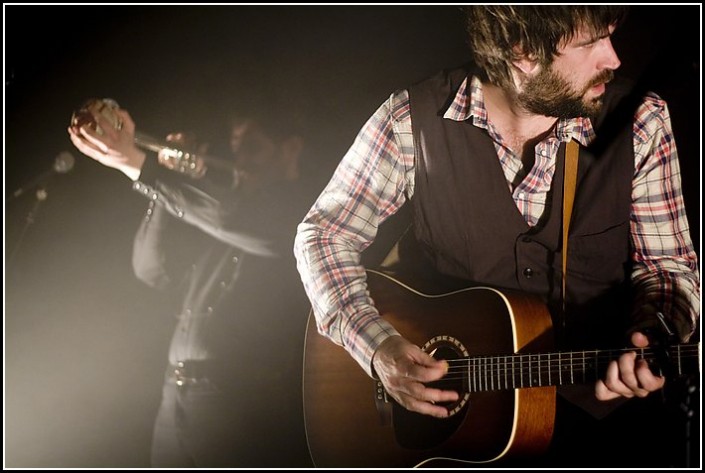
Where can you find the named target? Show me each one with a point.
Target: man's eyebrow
(593, 38)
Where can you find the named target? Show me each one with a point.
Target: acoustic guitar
(499, 348)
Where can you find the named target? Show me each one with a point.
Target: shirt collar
(469, 102)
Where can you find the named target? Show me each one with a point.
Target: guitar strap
(570, 179)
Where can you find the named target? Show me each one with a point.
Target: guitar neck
(490, 373)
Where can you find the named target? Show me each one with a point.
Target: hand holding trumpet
(103, 131)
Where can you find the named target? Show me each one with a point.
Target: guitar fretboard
(490, 373)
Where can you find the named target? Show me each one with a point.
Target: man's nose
(609, 58)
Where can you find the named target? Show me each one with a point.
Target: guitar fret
(519, 359)
(490, 372)
(572, 379)
(492, 375)
(521, 372)
(548, 364)
(487, 373)
(482, 374)
(475, 381)
(514, 371)
(477, 373)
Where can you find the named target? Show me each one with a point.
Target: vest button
(528, 272)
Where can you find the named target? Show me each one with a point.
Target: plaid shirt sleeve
(665, 273)
(368, 186)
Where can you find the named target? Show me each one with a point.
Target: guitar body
(349, 424)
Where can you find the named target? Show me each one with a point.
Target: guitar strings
(547, 369)
(562, 357)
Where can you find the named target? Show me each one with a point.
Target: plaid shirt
(376, 177)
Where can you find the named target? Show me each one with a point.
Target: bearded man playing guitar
(484, 158)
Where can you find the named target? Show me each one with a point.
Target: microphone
(63, 163)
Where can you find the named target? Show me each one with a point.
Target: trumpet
(170, 155)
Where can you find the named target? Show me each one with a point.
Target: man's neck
(520, 130)
(510, 118)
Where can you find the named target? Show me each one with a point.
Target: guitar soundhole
(450, 382)
(449, 348)
(418, 431)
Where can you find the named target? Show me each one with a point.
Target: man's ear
(526, 65)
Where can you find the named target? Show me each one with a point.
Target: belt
(193, 371)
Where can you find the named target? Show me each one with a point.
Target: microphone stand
(41, 195)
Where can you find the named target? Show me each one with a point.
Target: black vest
(468, 226)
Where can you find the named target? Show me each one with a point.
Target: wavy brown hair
(500, 34)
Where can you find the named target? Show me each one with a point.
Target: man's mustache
(603, 77)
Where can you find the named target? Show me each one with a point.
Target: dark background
(85, 342)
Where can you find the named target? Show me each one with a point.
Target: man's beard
(550, 95)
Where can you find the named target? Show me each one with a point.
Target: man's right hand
(403, 368)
